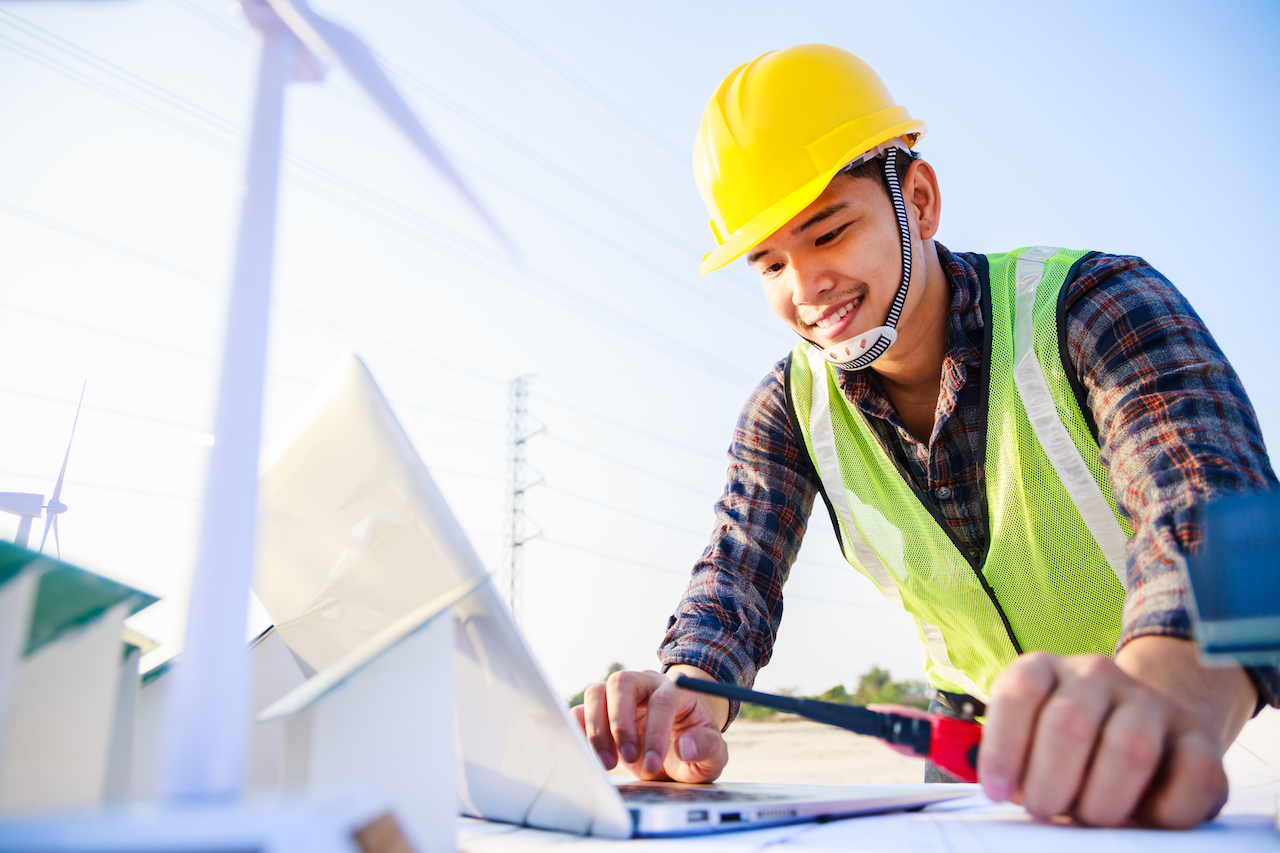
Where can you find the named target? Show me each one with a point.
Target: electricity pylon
(520, 428)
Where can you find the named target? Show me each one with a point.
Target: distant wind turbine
(29, 505)
(55, 507)
(208, 714)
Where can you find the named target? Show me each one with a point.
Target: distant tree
(752, 711)
(836, 694)
(875, 685)
(581, 696)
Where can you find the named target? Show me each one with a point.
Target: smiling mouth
(834, 317)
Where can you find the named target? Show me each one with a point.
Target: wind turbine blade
(337, 45)
(51, 508)
(49, 517)
(57, 488)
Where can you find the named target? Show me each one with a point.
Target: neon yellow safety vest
(1053, 575)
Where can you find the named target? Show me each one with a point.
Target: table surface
(971, 825)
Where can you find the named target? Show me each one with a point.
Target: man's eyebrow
(826, 212)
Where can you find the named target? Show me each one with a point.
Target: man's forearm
(1223, 698)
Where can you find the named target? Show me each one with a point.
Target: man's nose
(810, 282)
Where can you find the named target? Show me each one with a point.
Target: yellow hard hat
(776, 132)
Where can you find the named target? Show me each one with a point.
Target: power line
(105, 487)
(104, 409)
(468, 474)
(209, 281)
(85, 327)
(212, 19)
(319, 319)
(630, 514)
(666, 571)
(198, 112)
(434, 471)
(502, 184)
(303, 380)
(621, 424)
(521, 147)
(448, 239)
(613, 557)
(79, 234)
(574, 78)
(106, 66)
(623, 464)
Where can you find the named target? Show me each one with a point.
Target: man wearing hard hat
(1010, 446)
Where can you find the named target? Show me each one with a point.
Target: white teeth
(831, 319)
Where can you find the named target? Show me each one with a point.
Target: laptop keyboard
(692, 794)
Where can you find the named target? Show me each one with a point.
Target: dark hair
(874, 169)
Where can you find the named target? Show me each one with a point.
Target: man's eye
(829, 236)
(773, 269)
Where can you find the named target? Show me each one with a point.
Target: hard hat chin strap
(862, 351)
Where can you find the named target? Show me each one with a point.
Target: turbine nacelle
(263, 16)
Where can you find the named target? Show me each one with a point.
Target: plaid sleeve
(726, 621)
(1174, 426)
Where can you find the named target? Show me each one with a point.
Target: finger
(1016, 697)
(659, 717)
(624, 691)
(1066, 733)
(696, 755)
(594, 716)
(1191, 787)
(1127, 758)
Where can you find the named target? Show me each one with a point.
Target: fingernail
(607, 759)
(688, 749)
(630, 752)
(997, 789)
(652, 762)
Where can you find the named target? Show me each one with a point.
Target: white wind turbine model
(28, 505)
(207, 716)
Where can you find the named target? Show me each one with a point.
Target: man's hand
(658, 730)
(1105, 742)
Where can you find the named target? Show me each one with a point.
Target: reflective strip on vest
(822, 435)
(1038, 401)
(824, 447)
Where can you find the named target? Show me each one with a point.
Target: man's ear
(920, 192)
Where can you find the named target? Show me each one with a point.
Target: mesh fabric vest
(1052, 577)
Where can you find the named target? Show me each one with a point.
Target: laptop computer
(354, 534)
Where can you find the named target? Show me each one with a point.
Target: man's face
(831, 272)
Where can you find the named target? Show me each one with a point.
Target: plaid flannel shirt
(1174, 426)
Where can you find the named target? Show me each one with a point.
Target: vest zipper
(984, 279)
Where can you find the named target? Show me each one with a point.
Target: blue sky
(1135, 128)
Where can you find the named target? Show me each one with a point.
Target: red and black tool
(949, 743)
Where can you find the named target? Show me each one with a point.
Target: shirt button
(943, 493)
